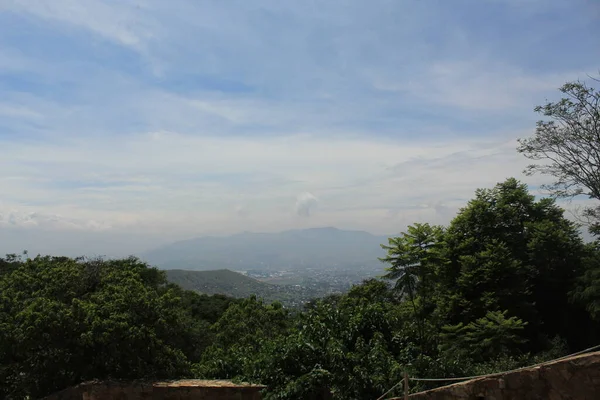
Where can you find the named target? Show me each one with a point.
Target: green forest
(507, 283)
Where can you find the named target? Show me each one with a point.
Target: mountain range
(289, 250)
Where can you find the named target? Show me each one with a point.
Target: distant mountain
(289, 250)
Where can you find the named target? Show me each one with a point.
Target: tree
(240, 334)
(510, 252)
(484, 338)
(587, 288)
(415, 258)
(344, 346)
(568, 146)
(64, 321)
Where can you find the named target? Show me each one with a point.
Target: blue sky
(140, 122)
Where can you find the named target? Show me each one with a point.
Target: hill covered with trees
(222, 281)
(234, 284)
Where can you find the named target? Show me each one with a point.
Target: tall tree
(568, 146)
(242, 330)
(510, 252)
(64, 321)
(414, 258)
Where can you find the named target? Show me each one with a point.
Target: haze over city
(126, 125)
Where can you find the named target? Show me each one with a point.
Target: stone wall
(174, 390)
(575, 378)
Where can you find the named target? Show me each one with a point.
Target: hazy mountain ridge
(293, 249)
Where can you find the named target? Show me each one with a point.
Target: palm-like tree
(414, 258)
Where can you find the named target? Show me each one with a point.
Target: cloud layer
(145, 122)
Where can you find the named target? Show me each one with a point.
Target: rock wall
(575, 378)
(176, 390)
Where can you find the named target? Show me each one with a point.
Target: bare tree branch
(568, 146)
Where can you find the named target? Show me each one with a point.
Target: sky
(128, 124)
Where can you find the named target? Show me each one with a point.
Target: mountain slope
(221, 281)
(295, 249)
(234, 284)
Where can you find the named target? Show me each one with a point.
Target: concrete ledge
(188, 389)
(569, 379)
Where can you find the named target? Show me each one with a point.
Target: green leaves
(484, 338)
(348, 345)
(587, 288)
(510, 252)
(343, 345)
(416, 258)
(241, 332)
(65, 321)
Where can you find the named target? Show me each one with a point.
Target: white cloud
(122, 22)
(10, 110)
(476, 85)
(194, 184)
(19, 218)
(305, 204)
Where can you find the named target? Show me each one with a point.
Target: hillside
(234, 284)
(329, 248)
(221, 281)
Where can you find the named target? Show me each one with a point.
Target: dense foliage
(508, 282)
(63, 321)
